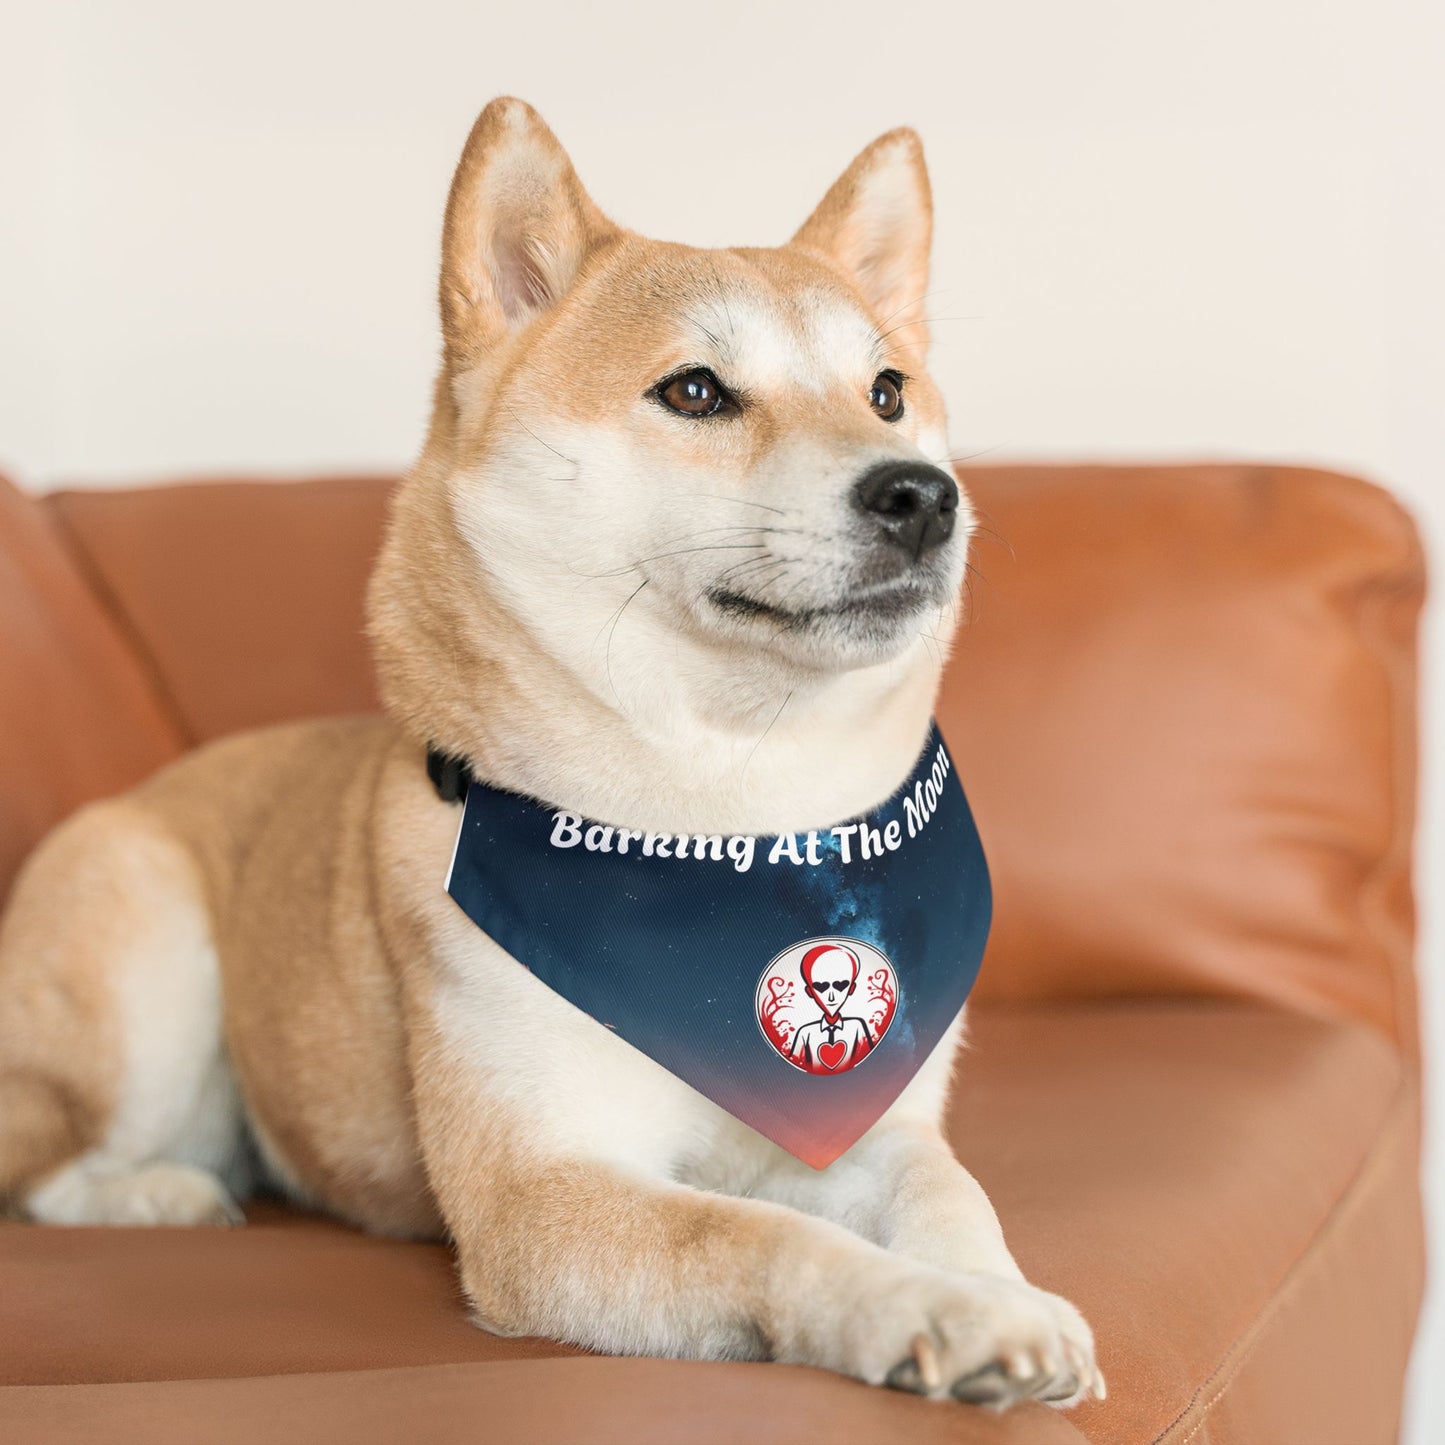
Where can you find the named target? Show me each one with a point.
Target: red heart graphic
(832, 1054)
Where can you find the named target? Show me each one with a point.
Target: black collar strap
(451, 776)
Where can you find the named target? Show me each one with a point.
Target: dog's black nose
(915, 504)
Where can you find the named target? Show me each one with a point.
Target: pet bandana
(798, 981)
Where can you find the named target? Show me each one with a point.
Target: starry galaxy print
(667, 952)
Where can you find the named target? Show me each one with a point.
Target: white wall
(1164, 228)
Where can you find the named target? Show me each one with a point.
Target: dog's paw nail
(926, 1354)
(988, 1386)
(1020, 1365)
(1099, 1390)
(228, 1215)
(1066, 1389)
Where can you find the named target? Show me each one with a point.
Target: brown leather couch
(1184, 709)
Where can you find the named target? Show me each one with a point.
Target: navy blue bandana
(798, 981)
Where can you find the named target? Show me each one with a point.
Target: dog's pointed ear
(877, 223)
(518, 228)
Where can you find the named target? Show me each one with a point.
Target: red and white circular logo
(825, 1004)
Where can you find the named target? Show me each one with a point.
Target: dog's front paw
(982, 1338)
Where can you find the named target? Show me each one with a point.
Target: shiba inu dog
(677, 554)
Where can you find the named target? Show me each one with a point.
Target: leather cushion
(1175, 1169)
(1184, 710)
(247, 596)
(79, 716)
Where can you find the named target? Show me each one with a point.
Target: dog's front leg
(587, 1252)
(901, 1188)
(612, 1256)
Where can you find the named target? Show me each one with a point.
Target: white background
(1164, 229)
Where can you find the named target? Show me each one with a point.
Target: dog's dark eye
(694, 393)
(886, 398)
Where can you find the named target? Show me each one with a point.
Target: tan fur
(257, 944)
(882, 250)
(55, 1097)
